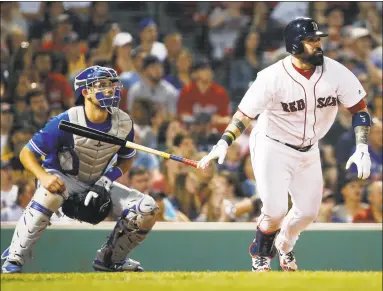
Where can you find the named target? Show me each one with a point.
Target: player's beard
(315, 58)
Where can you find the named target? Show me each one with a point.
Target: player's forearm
(237, 126)
(30, 162)
(361, 122)
(124, 164)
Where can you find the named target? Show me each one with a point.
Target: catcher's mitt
(97, 210)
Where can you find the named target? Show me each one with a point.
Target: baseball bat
(102, 136)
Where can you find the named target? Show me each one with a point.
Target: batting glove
(361, 158)
(218, 152)
(103, 182)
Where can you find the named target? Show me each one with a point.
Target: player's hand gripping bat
(102, 136)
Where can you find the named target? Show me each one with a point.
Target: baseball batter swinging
(297, 102)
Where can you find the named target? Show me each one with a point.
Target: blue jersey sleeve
(126, 153)
(50, 138)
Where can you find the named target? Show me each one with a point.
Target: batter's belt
(304, 149)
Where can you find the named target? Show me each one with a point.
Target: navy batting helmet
(298, 30)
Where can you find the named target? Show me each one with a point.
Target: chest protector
(90, 157)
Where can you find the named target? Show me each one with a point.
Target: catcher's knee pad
(140, 214)
(263, 244)
(30, 227)
(131, 229)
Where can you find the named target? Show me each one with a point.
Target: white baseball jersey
(296, 110)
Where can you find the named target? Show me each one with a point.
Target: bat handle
(183, 160)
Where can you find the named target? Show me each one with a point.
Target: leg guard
(131, 229)
(263, 244)
(32, 224)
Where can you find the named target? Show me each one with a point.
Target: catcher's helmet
(92, 75)
(298, 30)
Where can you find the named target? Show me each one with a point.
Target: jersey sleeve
(49, 138)
(127, 153)
(350, 90)
(257, 97)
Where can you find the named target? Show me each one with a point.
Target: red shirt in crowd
(192, 101)
(364, 216)
(58, 90)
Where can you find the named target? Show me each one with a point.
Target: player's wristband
(229, 137)
(114, 173)
(361, 119)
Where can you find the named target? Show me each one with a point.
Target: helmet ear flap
(297, 47)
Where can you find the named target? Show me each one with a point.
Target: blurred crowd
(185, 67)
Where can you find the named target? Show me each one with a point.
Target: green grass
(193, 281)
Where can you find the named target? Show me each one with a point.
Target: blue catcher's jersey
(49, 140)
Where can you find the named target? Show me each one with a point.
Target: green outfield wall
(202, 247)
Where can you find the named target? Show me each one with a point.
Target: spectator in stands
(173, 44)
(39, 109)
(57, 88)
(129, 78)
(376, 104)
(352, 191)
(75, 57)
(185, 144)
(148, 39)
(204, 95)
(202, 132)
(341, 126)
(62, 27)
(24, 195)
(232, 160)
(19, 137)
(185, 197)
(146, 160)
(97, 25)
(139, 179)
(326, 208)
(374, 213)
(182, 75)
(6, 124)
(154, 87)
(11, 18)
(170, 170)
(245, 65)
(121, 59)
(335, 22)
(224, 187)
(8, 188)
(225, 26)
(361, 49)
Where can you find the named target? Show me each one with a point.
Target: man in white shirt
(297, 102)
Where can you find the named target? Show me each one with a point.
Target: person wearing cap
(204, 95)
(361, 47)
(122, 49)
(148, 39)
(373, 214)
(152, 86)
(352, 192)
